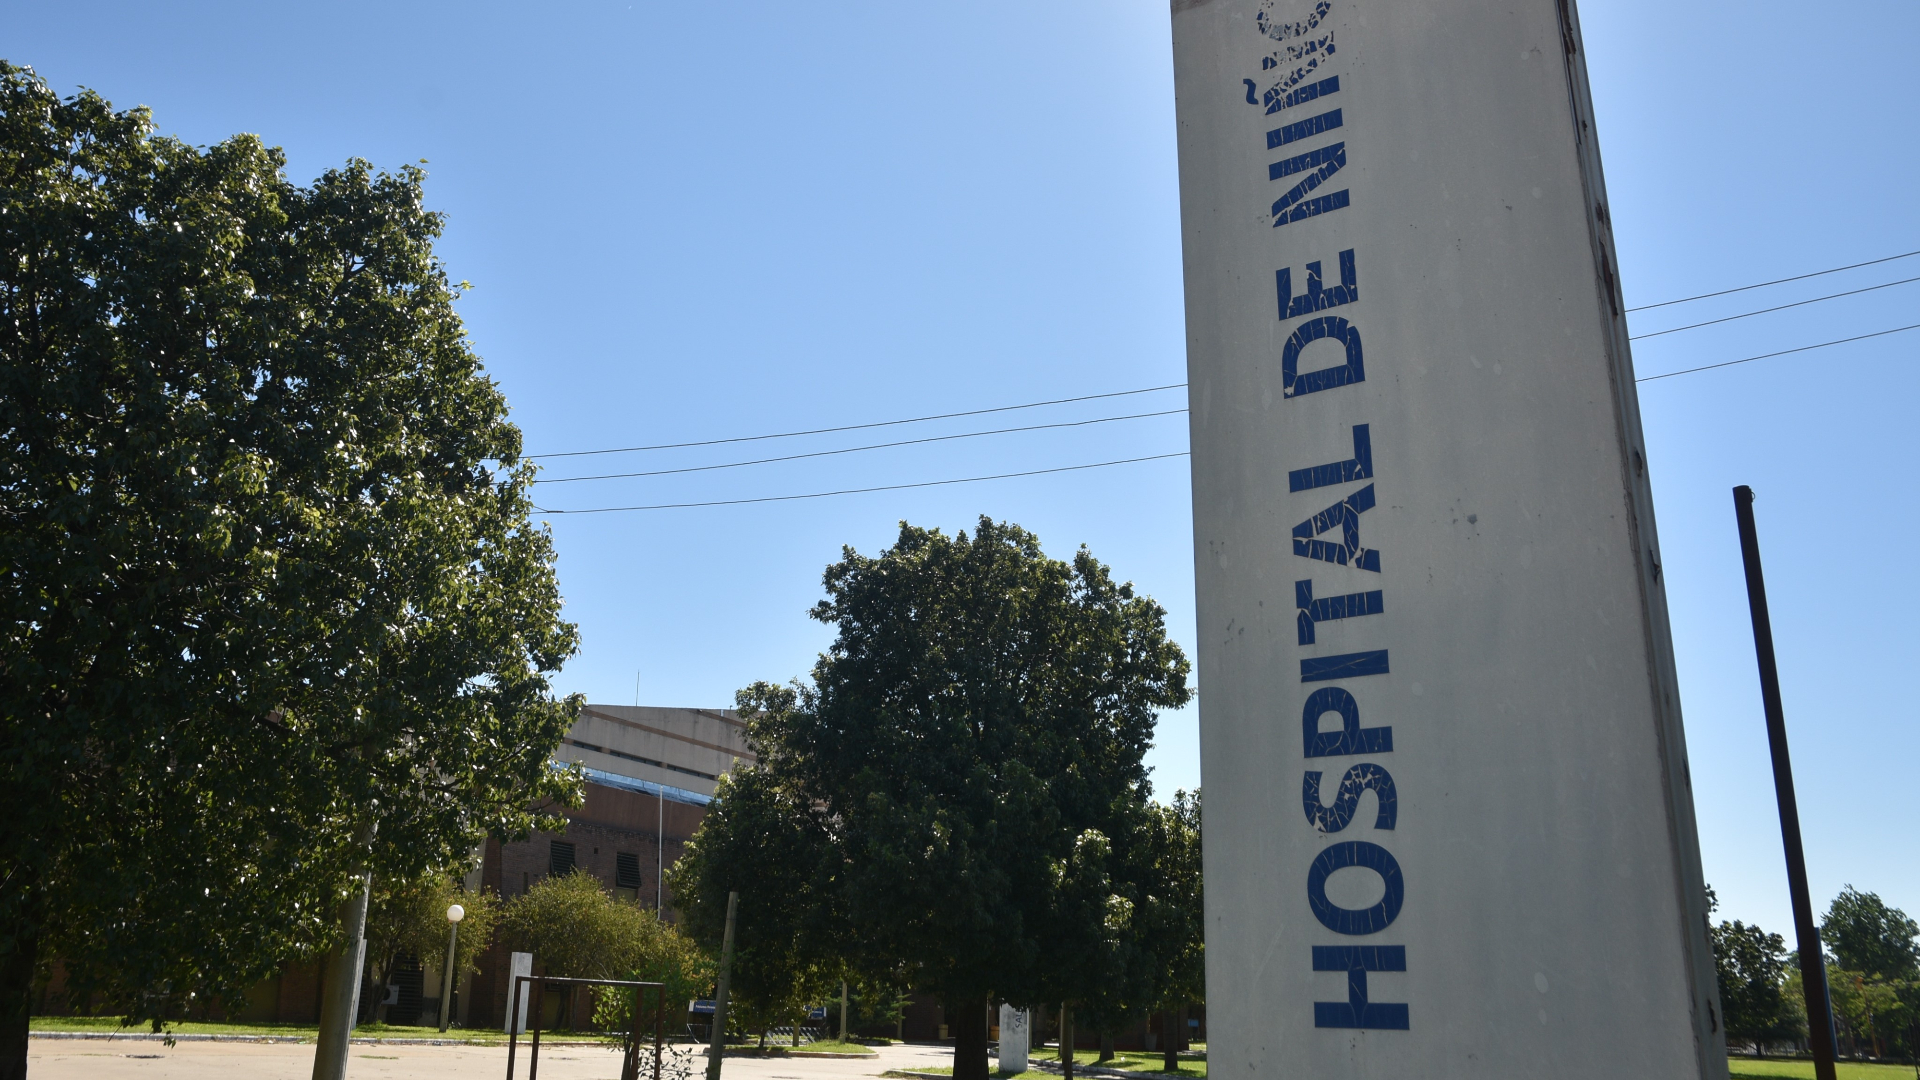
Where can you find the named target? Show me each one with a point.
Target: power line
(1778, 281)
(1782, 352)
(859, 427)
(1181, 385)
(873, 446)
(864, 490)
(1779, 307)
(1124, 461)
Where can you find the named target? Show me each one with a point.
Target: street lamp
(454, 914)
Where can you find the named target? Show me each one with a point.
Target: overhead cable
(872, 446)
(864, 490)
(1182, 385)
(859, 427)
(1127, 461)
(1782, 352)
(1779, 307)
(1776, 281)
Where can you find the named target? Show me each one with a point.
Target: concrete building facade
(651, 773)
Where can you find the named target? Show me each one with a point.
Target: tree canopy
(409, 918)
(575, 928)
(1752, 969)
(1867, 936)
(267, 575)
(762, 840)
(967, 762)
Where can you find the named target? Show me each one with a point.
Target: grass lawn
(834, 1046)
(1745, 1068)
(997, 1075)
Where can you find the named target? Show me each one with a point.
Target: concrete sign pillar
(1448, 823)
(1014, 1026)
(520, 963)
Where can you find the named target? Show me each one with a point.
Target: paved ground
(75, 1059)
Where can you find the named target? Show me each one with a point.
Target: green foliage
(761, 839)
(575, 928)
(1873, 977)
(267, 576)
(1174, 927)
(872, 1002)
(1874, 1015)
(1752, 968)
(409, 918)
(963, 776)
(665, 955)
(1867, 936)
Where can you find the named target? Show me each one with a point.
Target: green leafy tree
(665, 955)
(875, 1002)
(274, 616)
(1752, 969)
(764, 841)
(576, 929)
(409, 918)
(1867, 936)
(1145, 952)
(971, 747)
(1867, 1009)
(1174, 926)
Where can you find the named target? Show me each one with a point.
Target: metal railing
(630, 1062)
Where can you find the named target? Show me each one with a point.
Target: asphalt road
(75, 1059)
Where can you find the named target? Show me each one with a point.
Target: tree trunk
(340, 997)
(1169, 1040)
(1106, 1046)
(16, 1005)
(969, 1038)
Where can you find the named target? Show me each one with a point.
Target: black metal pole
(1813, 969)
(513, 1027)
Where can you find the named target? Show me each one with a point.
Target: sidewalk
(77, 1059)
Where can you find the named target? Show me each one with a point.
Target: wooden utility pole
(1066, 1041)
(717, 1045)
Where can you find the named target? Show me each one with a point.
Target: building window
(626, 875)
(560, 858)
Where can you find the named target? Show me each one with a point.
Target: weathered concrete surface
(70, 1059)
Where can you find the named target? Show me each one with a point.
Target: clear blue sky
(695, 221)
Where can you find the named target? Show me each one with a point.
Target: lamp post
(454, 914)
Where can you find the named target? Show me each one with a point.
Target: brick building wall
(610, 822)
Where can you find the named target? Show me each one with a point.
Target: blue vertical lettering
(1319, 165)
(1357, 1011)
(1355, 921)
(1294, 384)
(1345, 514)
(1357, 467)
(1358, 779)
(1344, 666)
(1277, 101)
(1330, 608)
(1351, 738)
(1301, 129)
(1316, 298)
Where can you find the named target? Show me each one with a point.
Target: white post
(1014, 1025)
(520, 964)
